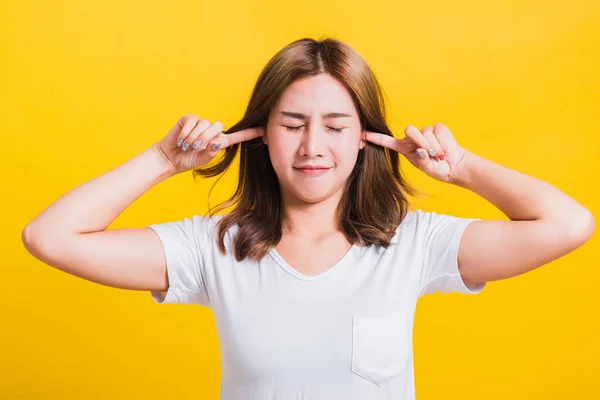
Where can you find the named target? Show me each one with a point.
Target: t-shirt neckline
(287, 267)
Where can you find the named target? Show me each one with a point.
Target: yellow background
(87, 85)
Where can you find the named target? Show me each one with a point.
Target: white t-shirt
(345, 333)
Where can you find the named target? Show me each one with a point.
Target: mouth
(312, 170)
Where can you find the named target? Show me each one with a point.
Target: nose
(313, 141)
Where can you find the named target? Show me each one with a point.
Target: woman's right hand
(193, 142)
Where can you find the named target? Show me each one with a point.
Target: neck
(310, 219)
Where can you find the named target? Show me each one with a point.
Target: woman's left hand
(433, 150)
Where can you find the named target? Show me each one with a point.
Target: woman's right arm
(71, 234)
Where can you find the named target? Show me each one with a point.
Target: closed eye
(295, 128)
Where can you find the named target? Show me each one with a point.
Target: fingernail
(179, 142)
(216, 146)
(431, 151)
(196, 144)
(421, 153)
(185, 146)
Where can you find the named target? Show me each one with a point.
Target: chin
(316, 195)
(313, 199)
(311, 191)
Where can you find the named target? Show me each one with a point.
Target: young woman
(314, 275)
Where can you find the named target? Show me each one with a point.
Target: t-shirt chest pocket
(380, 346)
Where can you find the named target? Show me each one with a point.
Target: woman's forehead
(316, 97)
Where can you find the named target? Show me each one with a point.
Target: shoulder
(194, 226)
(209, 224)
(420, 224)
(418, 216)
(413, 220)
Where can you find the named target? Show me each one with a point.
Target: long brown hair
(374, 201)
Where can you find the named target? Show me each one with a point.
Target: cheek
(347, 146)
(279, 151)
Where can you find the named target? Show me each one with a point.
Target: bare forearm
(95, 204)
(520, 196)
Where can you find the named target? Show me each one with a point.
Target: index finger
(226, 140)
(400, 146)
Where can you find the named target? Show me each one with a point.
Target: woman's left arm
(545, 223)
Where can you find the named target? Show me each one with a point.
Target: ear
(362, 140)
(264, 135)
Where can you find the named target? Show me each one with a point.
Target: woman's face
(313, 136)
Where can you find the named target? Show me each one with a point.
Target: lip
(313, 170)
(312, 167)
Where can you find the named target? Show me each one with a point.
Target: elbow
(44, 243)
(33, 241)
(27, 237)
(581, 226)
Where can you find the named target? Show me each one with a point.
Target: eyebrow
(326, 116)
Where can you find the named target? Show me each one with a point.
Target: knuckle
(200, 125)
(203, 125)
(187, 117)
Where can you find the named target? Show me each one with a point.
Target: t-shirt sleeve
(440, 235)
(184, 243)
